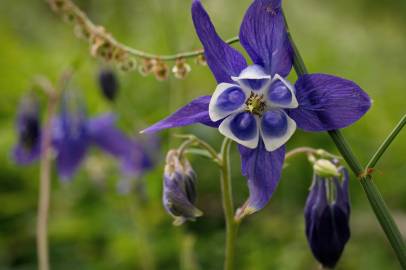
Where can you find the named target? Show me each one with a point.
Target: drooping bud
(181, 69)
(28, 130)
(327, 214)
(179, 194)
(108, 84)
(325, 168)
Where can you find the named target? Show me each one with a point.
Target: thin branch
(386, 143)
(100, 37)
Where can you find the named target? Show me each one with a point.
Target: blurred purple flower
(73, 134)
(327, 218)
(255, 105)
(28, 127)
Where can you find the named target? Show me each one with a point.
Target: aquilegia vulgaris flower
(255, 105)
(327, 214)
(73, 134)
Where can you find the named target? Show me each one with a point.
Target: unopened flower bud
(160, 70)
(108, 84)
(179, 194)
(325, 168)
(181, 69)
(327, 214)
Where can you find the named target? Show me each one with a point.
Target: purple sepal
(328, 102)
(223, 60)
(28, 127)
(196, 111)
(263, 35)
(263, 171)
(26, 156)
(104, 134)
(71, 142)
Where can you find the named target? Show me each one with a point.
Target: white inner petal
(253, 78)
(279, 104)
(276, 129)
(240, 130)
(227, 99)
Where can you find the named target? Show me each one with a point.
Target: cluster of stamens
(255, 104)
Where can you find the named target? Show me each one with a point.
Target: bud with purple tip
(327, 214)
(108, 84)
(179, 194)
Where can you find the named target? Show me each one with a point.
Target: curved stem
(228, 205)
(69, 9)
(386, 143)
(374, 197)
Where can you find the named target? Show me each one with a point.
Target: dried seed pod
(147, 66)
(181, 69)
(201, 60)
(160, 70)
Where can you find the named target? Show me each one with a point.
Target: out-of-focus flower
(255, 105)
(327, 214)
(73, 134)
(179, 194)
(108, 83)
(28, 127)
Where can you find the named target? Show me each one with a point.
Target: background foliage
(94, 227)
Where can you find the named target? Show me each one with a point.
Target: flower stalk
(374, 197)
(45, 167)
(228, 205)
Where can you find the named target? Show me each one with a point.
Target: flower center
(255, 104)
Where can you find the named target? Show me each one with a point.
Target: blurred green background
(94, 227)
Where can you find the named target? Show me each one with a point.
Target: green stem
(381, 150)
(228, 205)
(374, 197)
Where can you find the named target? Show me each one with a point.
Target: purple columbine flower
(28, 128)
(255, 105)
(73, 134)
(179, 194)
(327, 215)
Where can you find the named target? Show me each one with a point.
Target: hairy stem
(374, 197)
(228, 205)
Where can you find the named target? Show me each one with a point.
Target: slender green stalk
(374, 197)
(136, 210)
(228, 205)
(386, 143)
